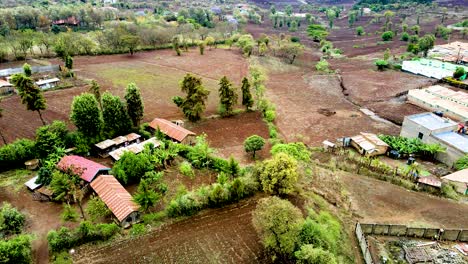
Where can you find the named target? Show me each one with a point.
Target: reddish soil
(227, 135)
(41, 217)
(224, 235)
(376, 201)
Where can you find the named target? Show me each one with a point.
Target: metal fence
(35, 69)
(417, 232)
(361, 237)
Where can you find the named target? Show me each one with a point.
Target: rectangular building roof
(42, 82)
(135, 148)
(31, 184)
(459, 176)
(119, 140)
(170, 129)
(4, 83)
(114, 195)
(454, 139)
(87, 169)
(105, 144)
(132, 136)
(431, 121)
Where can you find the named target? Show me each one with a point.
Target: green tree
(201, 47)
(258, 78)
(194, 104)
(11, 220)
(291, 50)
(360, 31)
(247, 99)
(130, 43)
(115, 116)
(86, 116)
(416, 29)
(459, 72)
(95, 89)
(331, 15)
(176, 45)
(405, 36)
(387, 35)
(66, 187)
(278, 175)
(461, 163)
(50, 137)
(308, 254)
(288, 10)
(69, 213)
(317, 32)
(352, 18)
(16, 250)
(227, 96)
(381, 64)
(323, 66)
(27, 70)
(387, 54)
(130, 167)
(426, 43)
(135, 107)
(278, 224)
(388, 16)
(69, 62)
(30, 94)
(253, 144)
(97, 209)
(145, 196)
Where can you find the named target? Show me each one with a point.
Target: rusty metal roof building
(114, 195)
(105, 144)
(132, 136)
(87, 169)
(170, 129)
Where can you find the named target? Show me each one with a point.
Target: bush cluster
(15, 154)
(16, 250)
(214, 195)
(65, 238)
(11, 220)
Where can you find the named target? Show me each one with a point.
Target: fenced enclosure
(35, 69)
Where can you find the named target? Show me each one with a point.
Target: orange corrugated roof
(170, 129)
(114, 195)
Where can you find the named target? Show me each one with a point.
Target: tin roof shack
(432, 129)
(459, 179)
(438, 98)
(47, 84)
(430, 68)
(32, 185)
(6, 87)
(456, 52)
(104, 147)
(429, 183)
(87, 169)
(117, 199)
(133, 138)
(173, 131)
(369, 144)
(135, 148)
(423, 125)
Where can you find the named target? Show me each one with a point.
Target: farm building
(456, 52)
(109, 145)
(430, 68)
(6, 87)
(48, 83)
(433, 129)
(453, 104)
(459, 179)
(369, 144)
(135, 148)
(429, 183)
(87, 169)
(104, 147)
(117, 199)
(173, 131)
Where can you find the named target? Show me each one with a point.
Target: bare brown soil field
(157, 73)
(227, 135)
(382, 202)
(223, 235)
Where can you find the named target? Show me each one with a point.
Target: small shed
(6, 87)
(117, 199)
(119, 141)
(132, 138)
(173, 131)
(87, 169)
(48, 83)
(369, 144)
(135, 148)
(429, 183)
(32, 185)
(104, 147)
(459, 179)
(43, 194)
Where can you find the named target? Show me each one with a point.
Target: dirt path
(223, 235)
(382, 202)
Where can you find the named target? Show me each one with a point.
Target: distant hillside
(386, 2)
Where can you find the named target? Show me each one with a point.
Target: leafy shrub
(459, 72)
(408, 146)
(97, 209)
(154, 217)
(253, 144)
(272, 130)
(448, 191)
(137, 230)
(270, 115)
(16, 250)
(131, 167)
(381, 64)
(321, 231)
(461, 163)
(11, 220)
(186, 169)
(360, 31)
(308, 254)
(387, 35)
(219, 195)
(15, 154)
(69, 214)
(323, 66)
(405, 36)
(296, 150)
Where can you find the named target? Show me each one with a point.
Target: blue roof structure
(431, 121)
(454, 139)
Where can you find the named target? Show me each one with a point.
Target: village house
(433, 129)
(453, 104)
(104, 147)
(134, 148)
(430, 68)
(456, 52)
(6, 87)
(109, 145)
(48, 83)
(173, 131)
(117, 199)
(459, 179)
(369, 144)
(87, 169)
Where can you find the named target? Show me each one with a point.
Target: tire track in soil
(215, 236)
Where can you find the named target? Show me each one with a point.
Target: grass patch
(15, 178)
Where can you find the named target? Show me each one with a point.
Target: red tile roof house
(173, 131)
(87, 169)
(117, 199)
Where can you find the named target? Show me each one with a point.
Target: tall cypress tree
(95, 89)
(30, 94)
(247, 99)
(135, 107)
(195, 102)
(227, 96)
(115, 116)
(86, 116)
